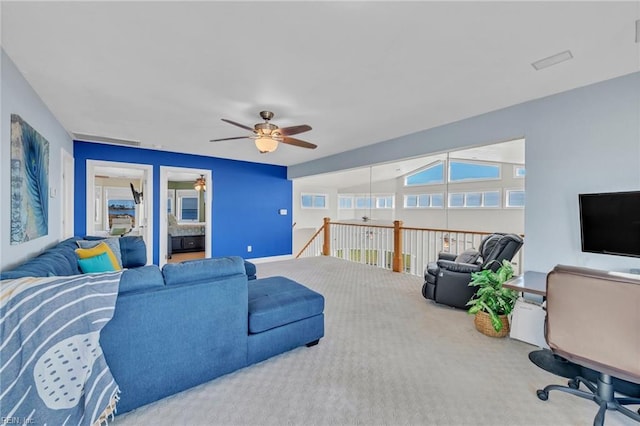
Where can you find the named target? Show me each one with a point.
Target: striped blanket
(52, 368)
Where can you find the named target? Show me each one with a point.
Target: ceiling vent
(104, 139)
(552, 60)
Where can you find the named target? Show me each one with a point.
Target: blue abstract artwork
(29, 182)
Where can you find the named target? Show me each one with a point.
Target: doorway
(185, 214)
(112, 209)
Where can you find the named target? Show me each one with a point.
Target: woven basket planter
(483, 324)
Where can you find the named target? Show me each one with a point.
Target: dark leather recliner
(447, 279)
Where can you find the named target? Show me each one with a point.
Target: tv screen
(610, 223)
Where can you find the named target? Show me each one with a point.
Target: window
(423, 201)
(345, 202)
(476, 199)
(515, 198)
(456, 200)
(460, 171)
(519, 171)
(119, 204)
(363, 202)
(491, 199)
(437, 200)
(473, 199)
(187, 205)
(385, 202)
(410, 201)
(430, 175)
(314, 201)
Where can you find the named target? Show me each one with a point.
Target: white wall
(583, 140)
(307, 221)
(19, 98)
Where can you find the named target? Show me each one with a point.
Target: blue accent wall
(246, 197)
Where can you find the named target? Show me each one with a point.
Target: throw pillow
(113, 243)
(98, 250)
(95, 264)
(468, 256)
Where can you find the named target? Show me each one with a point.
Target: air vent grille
(104, 139)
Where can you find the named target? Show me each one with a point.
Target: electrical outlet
(249, 248)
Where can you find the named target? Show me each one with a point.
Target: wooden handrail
(409, 228)
(310, 241)
(397, 227)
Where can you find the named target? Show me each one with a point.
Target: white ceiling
(165, 73)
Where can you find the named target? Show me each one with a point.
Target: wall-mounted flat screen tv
(610, 223)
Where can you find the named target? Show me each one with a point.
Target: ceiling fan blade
(237, 124)
(298, 142)
(294, 130)
(229, 139)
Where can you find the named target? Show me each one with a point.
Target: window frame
(480, 163)
(186, 193)
(345, 197)
(425, 168)
(370, 204)
(385, 199)
(515, 172)
(507, 205)
(418, 206)
(313, 196)
(482, 205)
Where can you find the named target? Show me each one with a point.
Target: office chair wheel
(573, 384)
(542, 394)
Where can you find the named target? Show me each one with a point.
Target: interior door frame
(208, 199)
(147, 190)
(67, 198)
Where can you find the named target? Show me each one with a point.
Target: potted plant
(492, 303)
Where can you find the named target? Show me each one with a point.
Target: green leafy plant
(491, 297)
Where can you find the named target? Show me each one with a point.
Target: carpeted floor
(388, 357)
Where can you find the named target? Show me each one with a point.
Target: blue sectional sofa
(187, 323)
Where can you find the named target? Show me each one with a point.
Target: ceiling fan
(268, 135)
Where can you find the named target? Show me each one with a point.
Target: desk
(529, 282)
(527, 320)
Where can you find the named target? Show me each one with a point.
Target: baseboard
(270, 258)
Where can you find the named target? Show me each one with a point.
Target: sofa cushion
(277, 301)
(133, 251)
(141, 278)
(85, 253)
(202, 270)
(113, 243)
(95, 264)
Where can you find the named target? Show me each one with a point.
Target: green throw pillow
(99, 263)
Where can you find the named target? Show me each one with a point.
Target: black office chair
(447, 280)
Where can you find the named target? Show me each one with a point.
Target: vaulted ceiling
(165, 73)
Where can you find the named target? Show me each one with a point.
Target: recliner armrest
(446, 256)
(458, 267)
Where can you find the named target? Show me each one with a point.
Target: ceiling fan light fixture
(200, 184)
(266, 144)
